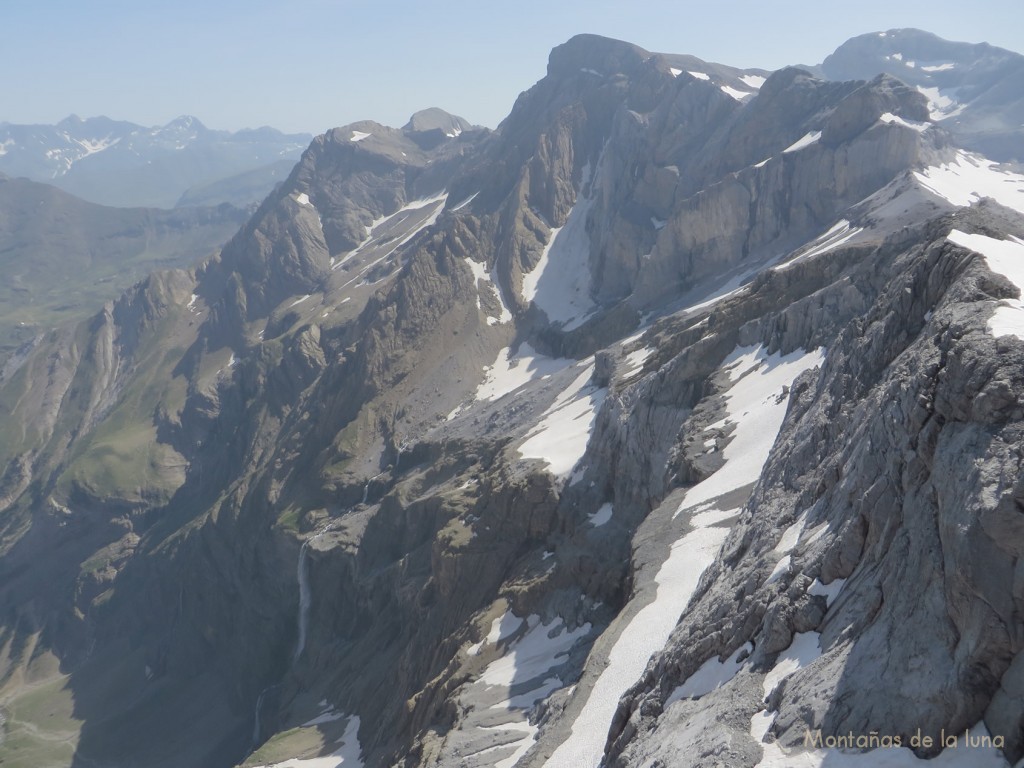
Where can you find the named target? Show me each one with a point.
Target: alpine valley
(678, 421)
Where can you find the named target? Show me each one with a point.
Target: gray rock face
(655, 420)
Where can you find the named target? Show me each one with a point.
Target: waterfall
(366, 491)
(256, 724)
(305, 596)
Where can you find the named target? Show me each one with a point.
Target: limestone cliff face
(475, 448)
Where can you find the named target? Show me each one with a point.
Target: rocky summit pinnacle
(676, 422)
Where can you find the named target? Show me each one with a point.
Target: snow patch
(528, 664)
(829, 591)
(509, 372)
(804, 650)
(302, 199)
(602, 516)
(699, 75)
(892, 119)
(503, 627)
(542, 648)
(675, 72)
(940, 105)
(757, 406)
(712, 674)
(635, 360)
(939, 67)
(560, 283)
(358, 135)
(754, 81)
(92, 147)
(969, 177)
(562, 435)
(804, 141)
(480, 274)
(735, 93)
(1005, 257)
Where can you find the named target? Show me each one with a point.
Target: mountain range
(118, 163)
(678, 421)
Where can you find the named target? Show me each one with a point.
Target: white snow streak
(699, 75)
(804, 141)
(836, 236)
(754, 81)
(383, 225)
(358, 136)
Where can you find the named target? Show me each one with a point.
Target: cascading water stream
(256, 724)
(305, 597)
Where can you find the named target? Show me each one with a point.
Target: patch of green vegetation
(456, 534)
(97, 562)
(294, 743)
(41, 730)
(122, 458)
(289, 519)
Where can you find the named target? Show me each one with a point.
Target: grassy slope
(61, 257)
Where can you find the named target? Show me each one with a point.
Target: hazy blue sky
(312, 64)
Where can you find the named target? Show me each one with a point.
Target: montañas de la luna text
(875, 740)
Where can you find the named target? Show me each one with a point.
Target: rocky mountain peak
(594, 54)
(433, 119)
